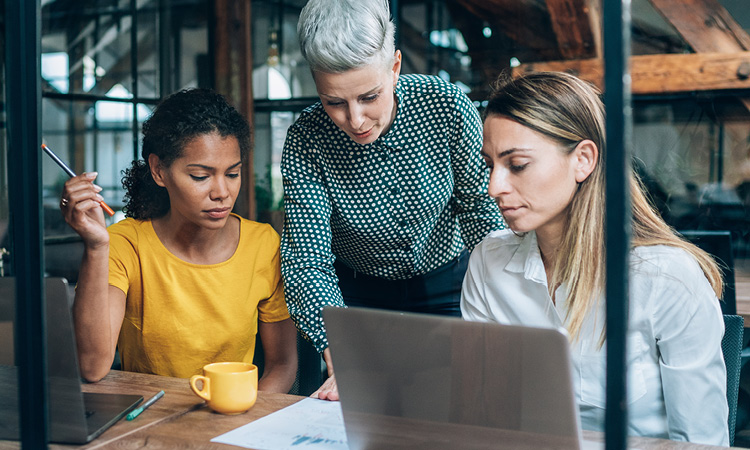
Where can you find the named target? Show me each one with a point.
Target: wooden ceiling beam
(576, 27)
(664, 74)
(527, 22)
(705, 25)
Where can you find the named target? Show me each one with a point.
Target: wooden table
(180, 421)
(176, 401)
(200, 425)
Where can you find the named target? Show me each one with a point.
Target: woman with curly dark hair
(182, 281)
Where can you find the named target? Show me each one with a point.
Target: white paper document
(308, 424)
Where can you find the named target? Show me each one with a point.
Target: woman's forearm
(279, 341)
(278, 378)
(92, 315)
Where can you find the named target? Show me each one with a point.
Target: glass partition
(8, 368)
(105, 65)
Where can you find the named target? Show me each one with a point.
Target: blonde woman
(544, 144)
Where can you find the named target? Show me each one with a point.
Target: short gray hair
(340, 35)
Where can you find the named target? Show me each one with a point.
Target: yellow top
(180, 316)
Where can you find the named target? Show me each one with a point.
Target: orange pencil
(71, 174)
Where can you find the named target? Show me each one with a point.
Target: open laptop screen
(447, 376)
(73, 417)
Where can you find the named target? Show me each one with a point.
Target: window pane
(693, 157)
(189, 35)
(88, 137)
(86, 50)
(270, 133)
(279, 70)
(148, 50)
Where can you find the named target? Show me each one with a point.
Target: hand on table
(329, 390)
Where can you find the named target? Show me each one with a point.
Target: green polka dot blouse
(399, 207)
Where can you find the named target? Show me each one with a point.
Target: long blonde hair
(568, 111)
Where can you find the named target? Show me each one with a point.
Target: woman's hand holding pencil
(71, 174)
(81, 207)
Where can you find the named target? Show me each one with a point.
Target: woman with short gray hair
(385, 191)
(364, 35)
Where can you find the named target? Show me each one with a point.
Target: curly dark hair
(176, 121)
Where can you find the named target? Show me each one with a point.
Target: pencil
(133, 414)
(71, 174)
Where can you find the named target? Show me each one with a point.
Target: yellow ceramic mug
(228, 387)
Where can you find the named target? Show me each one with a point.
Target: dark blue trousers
(436, 292)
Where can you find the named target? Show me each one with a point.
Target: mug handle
(204, 393)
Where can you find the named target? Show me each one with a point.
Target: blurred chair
(310, 367)
(719, 245)
(731, 347)
(62, 257)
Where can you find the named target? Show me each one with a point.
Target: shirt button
(402, 223)
(396, 191)
(384, 157)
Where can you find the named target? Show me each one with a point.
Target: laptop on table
(75, 417)
(422, 381)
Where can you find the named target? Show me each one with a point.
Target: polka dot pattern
(399, 207)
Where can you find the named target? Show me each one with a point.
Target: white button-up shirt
(676, 372)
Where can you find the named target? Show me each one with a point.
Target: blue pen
(134, 413)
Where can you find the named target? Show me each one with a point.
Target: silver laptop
(423, 381)
(75, 417)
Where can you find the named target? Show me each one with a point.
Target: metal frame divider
(24, 101)
(617, 98)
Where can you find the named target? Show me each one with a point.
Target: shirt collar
(391, 139)
(527, 259)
